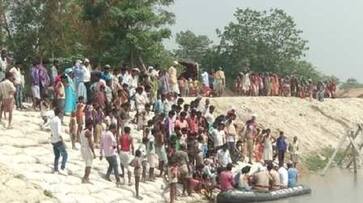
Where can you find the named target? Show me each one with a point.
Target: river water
(337, 186)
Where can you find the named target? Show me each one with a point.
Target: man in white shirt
(54, 71)
(224, 156)
(57, 142)
(87, 76)
(205, 79)
(231, 133)
(219, 136)
(284, 176)
(124, 77)
(140, 99)
(209, 116)
(18, 85)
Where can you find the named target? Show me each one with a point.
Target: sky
(334, 28)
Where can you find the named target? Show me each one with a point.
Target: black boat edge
(236, 196)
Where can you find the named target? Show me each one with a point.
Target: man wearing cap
(106, 74)
(220, 81)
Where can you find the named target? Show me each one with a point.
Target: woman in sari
(70, 101)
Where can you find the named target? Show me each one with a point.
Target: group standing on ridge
(181, 140)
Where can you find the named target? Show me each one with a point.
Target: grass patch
(48, 193)
(317, 161)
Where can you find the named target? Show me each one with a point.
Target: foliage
(103, 30)
(317, 161)
(126, 30)
(192, 47)
(351, 83)
(132, 32)
(42, 28)
(261, 41)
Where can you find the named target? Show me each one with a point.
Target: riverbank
(15, 188)
(25, 150)
(317, 125)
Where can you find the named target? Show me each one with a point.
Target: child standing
(141, 120)
(136, 163)
(151, 155)
(73, 129)
(98, 119)
(142, 149)
(80, 115)
(173, 179)
(87, 150)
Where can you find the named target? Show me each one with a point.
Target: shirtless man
(159, 130)
(7, 91)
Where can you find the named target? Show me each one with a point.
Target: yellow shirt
(219, 75)
(172, 75)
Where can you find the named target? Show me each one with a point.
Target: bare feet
(108, 178)
(86, 181)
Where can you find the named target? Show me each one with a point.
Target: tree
(127, 30)
(192, 47)
(43, 28)
(4, 22)
(104, 30)
(351, 83)
(264, 41)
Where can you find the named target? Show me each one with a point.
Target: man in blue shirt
(281, 148)
(292, 175)
(106, 75)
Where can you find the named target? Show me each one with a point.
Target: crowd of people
(184, 142)
(268, 84)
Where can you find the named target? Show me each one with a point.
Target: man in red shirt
(126, 148)
(181, 122)
(226, 180)
(193, 123)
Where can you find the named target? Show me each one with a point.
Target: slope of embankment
(27, 155)
(350, 93)
(316, 124)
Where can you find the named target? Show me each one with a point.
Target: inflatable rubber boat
(236, 196)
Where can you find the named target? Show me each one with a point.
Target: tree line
(132, 32)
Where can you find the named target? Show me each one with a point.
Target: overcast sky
(334, 28)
